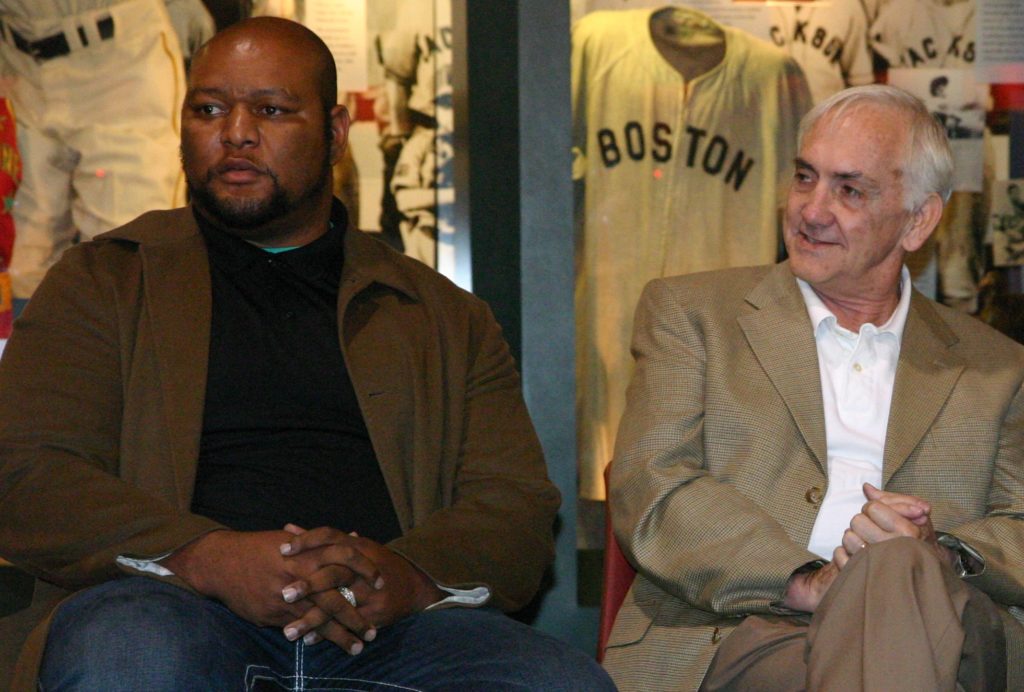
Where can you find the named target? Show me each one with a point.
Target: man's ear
(923, 221)
(340, 122)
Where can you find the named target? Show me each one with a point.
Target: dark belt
(57, 45)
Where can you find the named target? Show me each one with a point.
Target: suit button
(813, 496)
(716, 636)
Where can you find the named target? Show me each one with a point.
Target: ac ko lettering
(957, 49)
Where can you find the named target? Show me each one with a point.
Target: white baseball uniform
(938, 34)
(925, 33)
(827, 39)
(418, 56)
(98, 85)
(829, 43)
(678, 176)
(192, 23)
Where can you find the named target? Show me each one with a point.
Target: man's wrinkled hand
(805, 590)
(887, 515)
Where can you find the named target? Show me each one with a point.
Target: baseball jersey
(418, 55)
(828, 39)
(677, 176)
(48, 9)
(940, 34)
(925, 33)
(829, 43)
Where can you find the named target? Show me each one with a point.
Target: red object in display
(618, 576)
(1007, 97)
(363, 109)
(10, 177)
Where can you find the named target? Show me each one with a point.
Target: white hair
(927, 162)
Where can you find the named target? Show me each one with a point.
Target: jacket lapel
(372, 348)
(178, 307)
(780, 334)
(925, 377)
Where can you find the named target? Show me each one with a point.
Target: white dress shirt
(858, 372)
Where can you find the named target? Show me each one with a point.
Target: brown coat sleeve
(497, 529)
(67, 509)
(441, 397)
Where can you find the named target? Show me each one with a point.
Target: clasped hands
(884, 516)
(290, 579)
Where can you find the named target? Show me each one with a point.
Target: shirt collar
(823, 318)
(323, 256)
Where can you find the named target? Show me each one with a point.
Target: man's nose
(240, 129)
(817, 207)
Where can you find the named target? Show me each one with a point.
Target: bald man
(253, 448)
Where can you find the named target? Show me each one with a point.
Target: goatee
(241, 214)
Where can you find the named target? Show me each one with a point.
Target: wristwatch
(969, 562)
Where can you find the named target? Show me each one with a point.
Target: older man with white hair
(820, 473)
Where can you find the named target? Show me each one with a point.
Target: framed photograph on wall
(1006, 223)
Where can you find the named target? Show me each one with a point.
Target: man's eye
(270, 110)
(207, 109)
(802, 178)
(851, 192)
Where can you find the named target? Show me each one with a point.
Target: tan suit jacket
(721, 463)
(101, 395)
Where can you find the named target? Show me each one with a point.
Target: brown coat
(101, 395)
(721, 460)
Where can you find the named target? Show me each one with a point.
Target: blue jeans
(141, 634)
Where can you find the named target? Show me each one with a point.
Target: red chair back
(618, 576)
